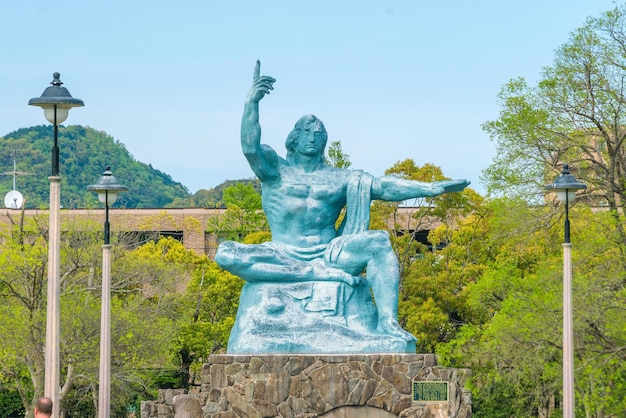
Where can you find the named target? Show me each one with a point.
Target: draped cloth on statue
(315, 316)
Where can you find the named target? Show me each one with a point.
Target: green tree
(434, 276)
(513, 337)
(243, 215)
(212, 198)
(210, 308)
(144, 298)
(574, 114)
(23, 288)
(336, 157)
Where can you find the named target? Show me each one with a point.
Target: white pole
(104, 396)
(568, 334)
(53, 318)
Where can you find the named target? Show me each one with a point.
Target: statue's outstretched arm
(392, 188)
(262, 159)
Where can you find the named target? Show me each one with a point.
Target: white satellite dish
(13, 200)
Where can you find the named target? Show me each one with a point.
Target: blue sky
(390, 79)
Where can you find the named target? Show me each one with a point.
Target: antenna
(14, 199)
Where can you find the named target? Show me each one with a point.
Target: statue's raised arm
(262, 158)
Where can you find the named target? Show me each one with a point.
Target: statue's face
(310, 141)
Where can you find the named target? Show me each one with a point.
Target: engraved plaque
(429, 391)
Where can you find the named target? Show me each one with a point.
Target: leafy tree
(145, 298)
(212, 198)
(22, 293)
(336, 157)
(423, 213)
(434, 300)
(243, 215)
(574, 114)
(212, 297)
(512, 339)
(10, 403)
(211, 302)
(434, 274)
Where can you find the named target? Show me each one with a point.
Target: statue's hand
(323, 272)
(449, 186)
(261, 85)
(350, 279)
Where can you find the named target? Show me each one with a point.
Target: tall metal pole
(104, 393)
(568, 322)
(59, 100)
(53, 318)
(565, 187)
(107, 188)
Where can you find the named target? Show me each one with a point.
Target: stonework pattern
(307, 386)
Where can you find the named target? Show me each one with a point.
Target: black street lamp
(565, 187)
(56, 102)
(107, 188)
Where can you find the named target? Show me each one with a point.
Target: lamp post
(107, 188)
(565, 187)
(56, 102)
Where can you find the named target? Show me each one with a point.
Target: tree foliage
(212, 198)
(144, 299)
(335, 156)
(84, 154)
(211, 302)
(575, 114)
(433, 274)
(243, 216)
(513, 338)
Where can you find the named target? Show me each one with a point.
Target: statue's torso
(302, 207)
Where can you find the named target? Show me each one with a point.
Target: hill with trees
(84, 154)
(212, 198)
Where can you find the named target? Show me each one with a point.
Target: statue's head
(306, 121)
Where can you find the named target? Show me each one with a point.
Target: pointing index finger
(257, 71)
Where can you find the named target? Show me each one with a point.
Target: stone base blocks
(329, 386)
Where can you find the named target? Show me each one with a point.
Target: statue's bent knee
(379, 238)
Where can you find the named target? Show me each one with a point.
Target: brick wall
(191, 222)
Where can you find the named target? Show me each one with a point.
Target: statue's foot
(391, 327)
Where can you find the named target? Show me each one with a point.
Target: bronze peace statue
(305, 290)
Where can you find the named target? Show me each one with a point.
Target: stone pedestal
(330, 386)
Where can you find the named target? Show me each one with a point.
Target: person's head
(306, 126)
(43, 407)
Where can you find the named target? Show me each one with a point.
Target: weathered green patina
(305, 291)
